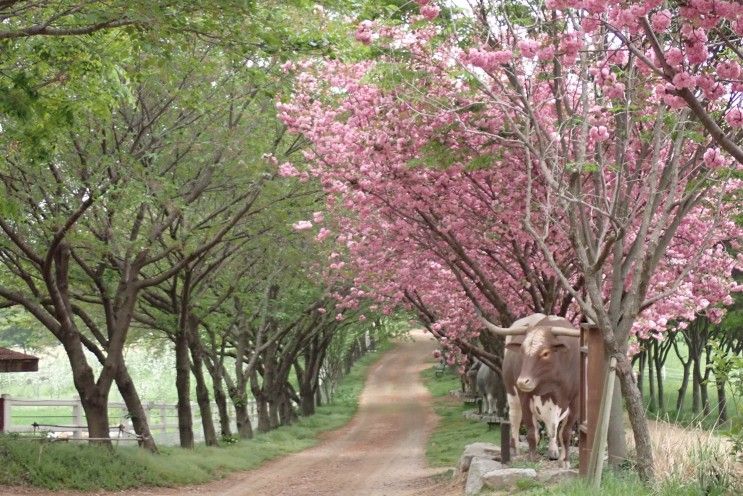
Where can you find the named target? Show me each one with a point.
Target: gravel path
(381, 452)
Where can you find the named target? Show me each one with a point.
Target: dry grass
(691, 456)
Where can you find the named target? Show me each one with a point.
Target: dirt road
(381, 452)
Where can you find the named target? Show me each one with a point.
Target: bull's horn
(502, 331)
(565, 331)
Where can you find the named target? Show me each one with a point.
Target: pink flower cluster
(430, 12)
(302, 225)
(713, 158)
(486, 59)
(364, 32)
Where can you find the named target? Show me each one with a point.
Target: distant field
(153, 373)
(672, 383)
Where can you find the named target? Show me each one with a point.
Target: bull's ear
(513, 346)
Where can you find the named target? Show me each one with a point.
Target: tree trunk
(202, 399)
(221, 399)
(96, 414)
(137, 412)
(183, 388)
(636, 412)
(308, 401)
(274, 420)
(696, 384)
(261, 409)
(616, 439)
(327, 387)
(652, 401)
(284, 409)
(659, 383)
(641, 370)
(704, 396)
(92, 399)
(684, 386)
(244, 427)
(706, 407)
(202, 391)
(501, 404)
(722, 403)
(318, 396)
(348, 362)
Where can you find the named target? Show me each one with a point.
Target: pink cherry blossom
(528, 48)
(728, 69)
(713, 158)
(599, 133)
(674, 56)
(323, 234)
(734, 117)
(364, 32)
(430, 12)
(302, 225)
(661, 20)
(616, 90)
(683, 80)
(288, 170)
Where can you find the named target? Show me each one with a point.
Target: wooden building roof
(15, 361)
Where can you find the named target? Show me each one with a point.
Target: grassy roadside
(69, 466)
(454, 432)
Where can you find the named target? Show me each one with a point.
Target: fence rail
(162, 418)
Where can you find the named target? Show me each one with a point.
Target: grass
(79, 466)
(453, 432)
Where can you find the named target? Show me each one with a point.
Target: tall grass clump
(693, 461)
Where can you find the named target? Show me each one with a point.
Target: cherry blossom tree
(690, 53)
(521, 168)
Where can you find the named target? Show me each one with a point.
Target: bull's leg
(514, 416)
(491, 403)
(532, 428)
(566, 431)
(551, 414)
(553, 452)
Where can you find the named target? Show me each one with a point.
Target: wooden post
(4, 413)
(596, 462)
(505, 442)
(77, 418)
(592, 373)
(163, 420)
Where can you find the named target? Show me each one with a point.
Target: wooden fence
(66, 418)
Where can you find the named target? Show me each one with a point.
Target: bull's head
(540, 349)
